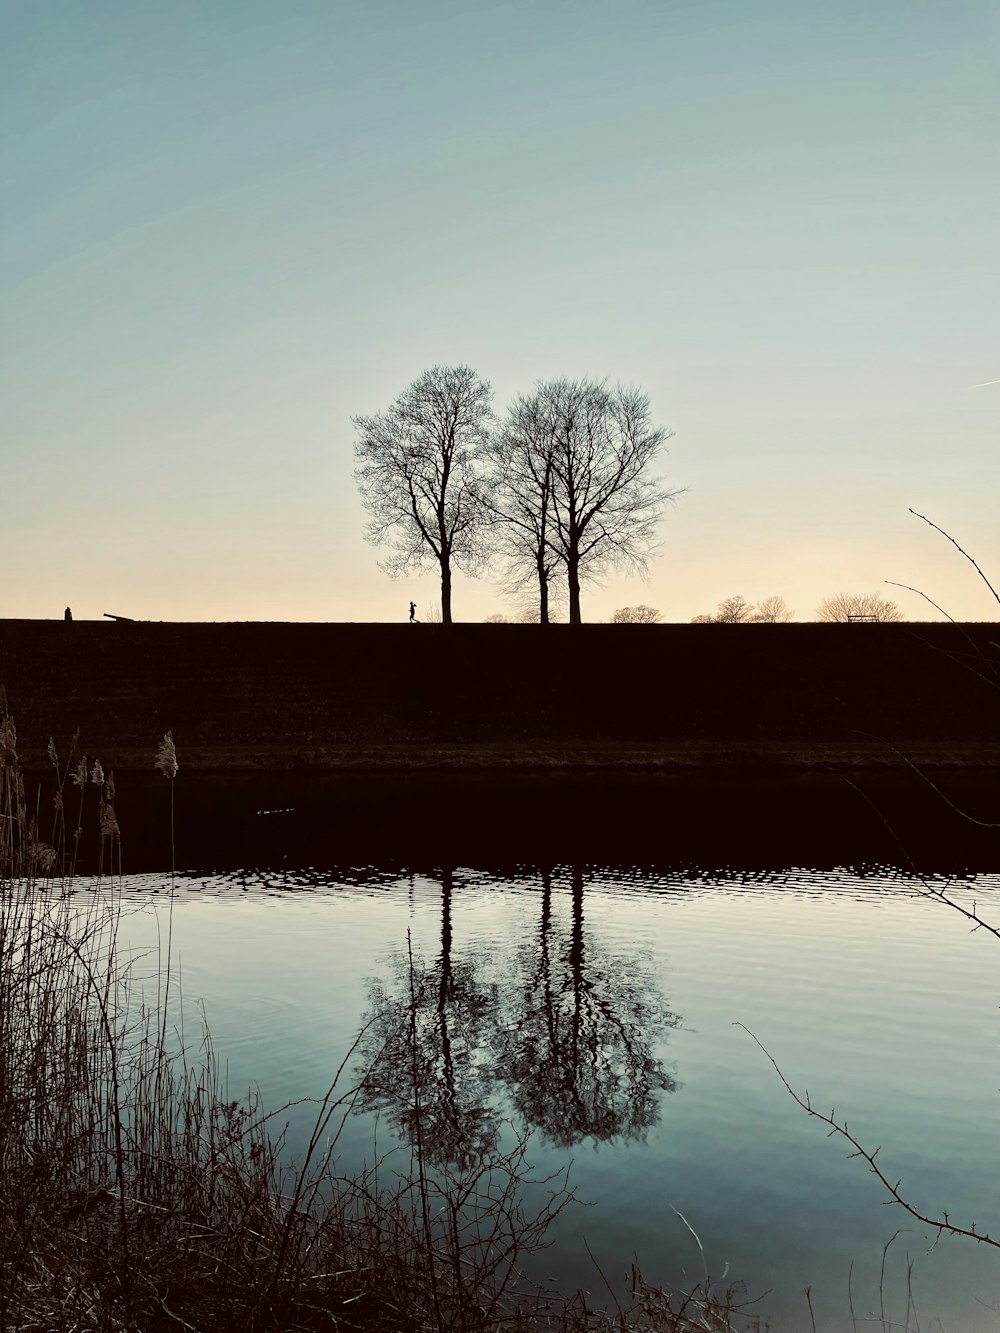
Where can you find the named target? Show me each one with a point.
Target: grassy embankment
(648, 698)
(136, 1194)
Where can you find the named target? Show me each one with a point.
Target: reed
(136, 1195)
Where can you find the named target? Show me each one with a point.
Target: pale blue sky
(227, 227)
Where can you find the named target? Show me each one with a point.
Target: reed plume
(166, 757)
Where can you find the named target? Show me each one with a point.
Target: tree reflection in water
(426, 1052)
(578, 1054)
(571, 1036)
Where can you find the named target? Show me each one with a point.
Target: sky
(227, 228)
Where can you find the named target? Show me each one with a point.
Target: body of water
(598, 1008)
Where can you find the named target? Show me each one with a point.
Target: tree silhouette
(844, 606)
(417, 473)
(570, 485)
(771, 611)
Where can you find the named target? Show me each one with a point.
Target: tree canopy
(570, 481)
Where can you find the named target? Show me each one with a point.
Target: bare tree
(570, 483)
(734, 611)
(771, 611)
(636, 615)
(416, 472)
(858, 606)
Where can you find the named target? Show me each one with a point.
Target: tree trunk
(543, 595)
(573, 579)
(445, 990)
(576, 967)
(546, 970)
(446, 591)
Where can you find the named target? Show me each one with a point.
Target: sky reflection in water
(596, 1006)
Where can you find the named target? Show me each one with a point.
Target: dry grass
(135, 1194)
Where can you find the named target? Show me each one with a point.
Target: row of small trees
(551, 495)
(843, 606)
(738, 611)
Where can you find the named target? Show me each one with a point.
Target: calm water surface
(598, 1007)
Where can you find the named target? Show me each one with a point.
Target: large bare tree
(416, 472)
(571, 483)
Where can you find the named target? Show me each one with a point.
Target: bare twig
(942, 1224)
(850, 1297)
(611, 1290)
(961, 550)
(909, 588)
(971, 819)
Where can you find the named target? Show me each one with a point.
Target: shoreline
(440, 811)
(693, 759)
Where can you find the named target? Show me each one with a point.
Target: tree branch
(961, 550)
(941, 1224)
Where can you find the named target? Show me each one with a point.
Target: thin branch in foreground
(603, 1277)
(940, 1224)
(971, 915)
(909, 588)
(993, 676)
(960, 549)
(964, 814)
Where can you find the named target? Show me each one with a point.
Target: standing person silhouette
(67, 614)
(413, 613)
